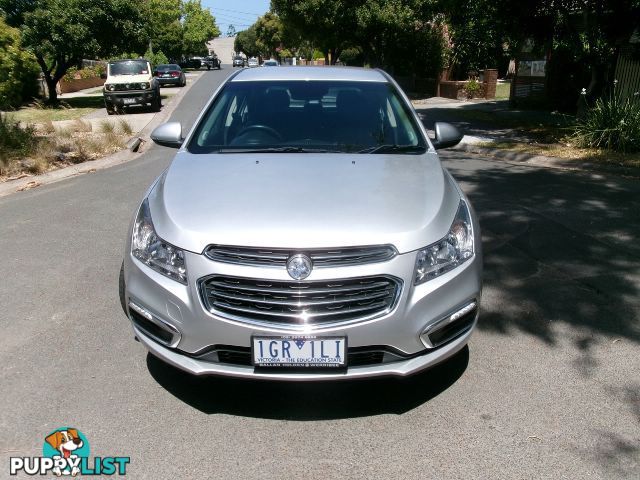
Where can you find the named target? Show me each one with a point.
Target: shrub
(157, 58)
(19, 72)
(611, 124)
(15, 141)
(473, 88)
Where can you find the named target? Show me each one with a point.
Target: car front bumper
(190, 329)
(129, 97)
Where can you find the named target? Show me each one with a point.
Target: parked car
(170, 74)
(270, 63)
(252, 62)
(238, 61)
(211, 62)
(305, 230)
(130, 82)
(194, 63)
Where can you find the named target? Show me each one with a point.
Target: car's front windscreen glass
(289, 116)
(132, 67)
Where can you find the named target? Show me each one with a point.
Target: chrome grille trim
(300, 305)
(321, 257)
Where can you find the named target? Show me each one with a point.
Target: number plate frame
(294, 347)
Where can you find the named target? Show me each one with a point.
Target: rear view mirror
(168, 135)
(446, 135)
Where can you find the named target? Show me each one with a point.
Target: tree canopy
(61, 33)
(199, 26)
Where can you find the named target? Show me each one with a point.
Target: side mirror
(103, 76)
(168, 135)
(446, 135)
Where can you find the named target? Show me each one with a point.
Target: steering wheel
(261, 128)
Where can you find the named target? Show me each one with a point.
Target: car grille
(300, 303)
(122, 87)
(277, 257)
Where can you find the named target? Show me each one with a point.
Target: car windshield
(130, 67)
(166, 68)
(289, 116)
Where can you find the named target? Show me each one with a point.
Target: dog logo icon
(66, 444)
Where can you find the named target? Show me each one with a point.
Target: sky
(239, 13)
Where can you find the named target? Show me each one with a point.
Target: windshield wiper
(275, 150)
(386, 148)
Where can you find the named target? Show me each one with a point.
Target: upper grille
(277, 257)
(120, 87)
(300, 303)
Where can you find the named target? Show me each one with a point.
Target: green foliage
(611, 124)
(19, 72)
(63, 32)
(473, 88)
(15, 141)
(198, 27)
(245, 42)
(163, 26)
(352, 56)
(87, 72)
(156, 58)
(269, 34)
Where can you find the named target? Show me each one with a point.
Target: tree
(231, 31)
(19, 69)
(245, 42)
(61, 33)
(199, 26)
(164, 28)
(327, 24)
(269, 34)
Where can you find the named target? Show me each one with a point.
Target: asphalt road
(548, 388)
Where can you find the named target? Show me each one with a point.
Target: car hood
(128, 78)
(305, 200)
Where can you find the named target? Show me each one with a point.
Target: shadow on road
(308, 400)
(560, 249)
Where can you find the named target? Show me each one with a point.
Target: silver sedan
(305, 230)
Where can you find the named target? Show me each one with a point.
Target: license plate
(166, 75)
(128, 101)
(299, 351)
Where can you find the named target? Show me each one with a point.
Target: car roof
(129, 60)
(311, 73)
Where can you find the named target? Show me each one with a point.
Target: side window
(210, 133)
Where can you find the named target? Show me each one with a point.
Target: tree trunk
(51, 88)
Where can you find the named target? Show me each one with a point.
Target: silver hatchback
(305, 230)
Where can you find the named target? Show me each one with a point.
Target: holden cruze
(305, 230)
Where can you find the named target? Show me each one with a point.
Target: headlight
(154, 252)
(448, 253)
(111, 87)
(144, 85)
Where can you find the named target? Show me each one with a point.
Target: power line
(237, 11)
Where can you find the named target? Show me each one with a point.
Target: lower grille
(356, 357)
(300, 303)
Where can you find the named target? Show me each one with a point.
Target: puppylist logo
(66, 452)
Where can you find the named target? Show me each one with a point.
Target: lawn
(502, 90)
(69, 109)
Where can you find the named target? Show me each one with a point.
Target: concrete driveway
(548, 388)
